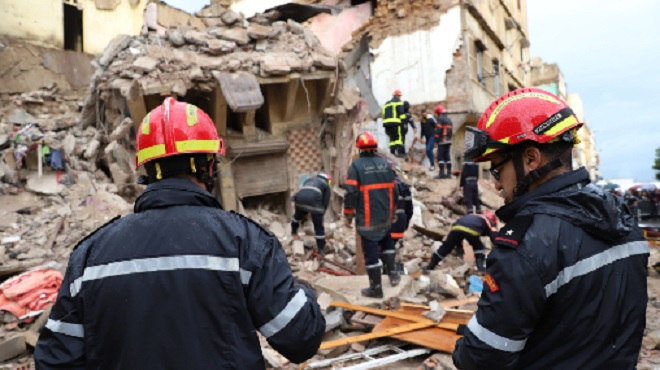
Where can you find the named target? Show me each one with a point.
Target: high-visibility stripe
(568, 122)
(367, 208)
(66, 328)
(245, 276)
(285, 316)
(198, 146)
(157, 264)
(319, 236)
(503, 104)
(151, 152)
(595, 262)
(146, 127)
(351, 182)
(312, 188)
(494, 340)
(376, 186)
(191, 115)
(349, 211)
(465, 229)
(396, 235)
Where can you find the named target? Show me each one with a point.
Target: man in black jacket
(565, 286)
(404, 213)
(313, 198)
(393, 118)
(470, 184)
(470, 228)
(370, 199)
(443, 135)
(179, 284)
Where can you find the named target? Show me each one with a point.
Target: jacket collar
(174, 192)
(508, 211)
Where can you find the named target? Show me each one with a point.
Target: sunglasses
(494, 168)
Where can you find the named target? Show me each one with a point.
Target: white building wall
(416, 63)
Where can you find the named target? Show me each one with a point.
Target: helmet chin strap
(522, 186)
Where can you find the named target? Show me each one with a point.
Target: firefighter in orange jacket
(371, 198)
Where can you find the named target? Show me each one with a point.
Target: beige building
(82, 25)
(549, 77)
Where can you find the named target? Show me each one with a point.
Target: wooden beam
(228, 187)
(376, 311)
(290, 96)
(380, 334)
(324, 92)
(220, 111)
(137, 109)
(249, 126)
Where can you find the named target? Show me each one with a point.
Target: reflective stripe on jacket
(565, 286)
(179, 284)
(393, 113)
(371, 195)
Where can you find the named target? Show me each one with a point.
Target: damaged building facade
(264, 82)
(463, 54)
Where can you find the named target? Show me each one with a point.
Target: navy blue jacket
(314, 196)
(179, 284)
(469, 174)
(474, 225)
(565, 286)
(371, 195)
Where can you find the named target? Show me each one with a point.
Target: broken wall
(42, 22)
(416, 63)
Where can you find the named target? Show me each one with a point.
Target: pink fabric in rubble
(34, 290)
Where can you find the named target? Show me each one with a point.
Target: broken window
(496, 77)
(480, 61)
(73, 27)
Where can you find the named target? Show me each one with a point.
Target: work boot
(435, 259)
(375, 289)
(441, 173)
(392, 273)
(480, 262)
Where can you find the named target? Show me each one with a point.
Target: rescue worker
(470, 228)
(404, 212)
(405, 122)
(469, 183)
(427, 134)
(565, 286)
(371, 198)
(313, 198)
(443, 134)
(393, 116)
(179, 284)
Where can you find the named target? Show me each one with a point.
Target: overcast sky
(609, 53)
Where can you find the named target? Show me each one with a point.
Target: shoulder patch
(490, 282)
(253, 222)
(511, 234)
(96, 231)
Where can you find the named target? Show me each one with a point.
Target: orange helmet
(397, 92)
(175, 128)
(439, 109)
(490, 216)
(366, 141)
(526, 114)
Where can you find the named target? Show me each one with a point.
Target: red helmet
(492, 219)
(176, 128)
(326, 176)
(439, 109)
(397, 92)
(526, 114)
(366, 141)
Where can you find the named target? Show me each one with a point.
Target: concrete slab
(347, 288)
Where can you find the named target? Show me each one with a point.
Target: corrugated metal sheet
(241, 90)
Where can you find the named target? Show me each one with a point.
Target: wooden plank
(384, 333)
(262, 174)
(446, 304)
(249, 126)
(228, 187)
(430, 233)
(137, 109)
(290, 103)
(219, 112)
(386, 313)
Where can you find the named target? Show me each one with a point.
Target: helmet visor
(478, 143)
